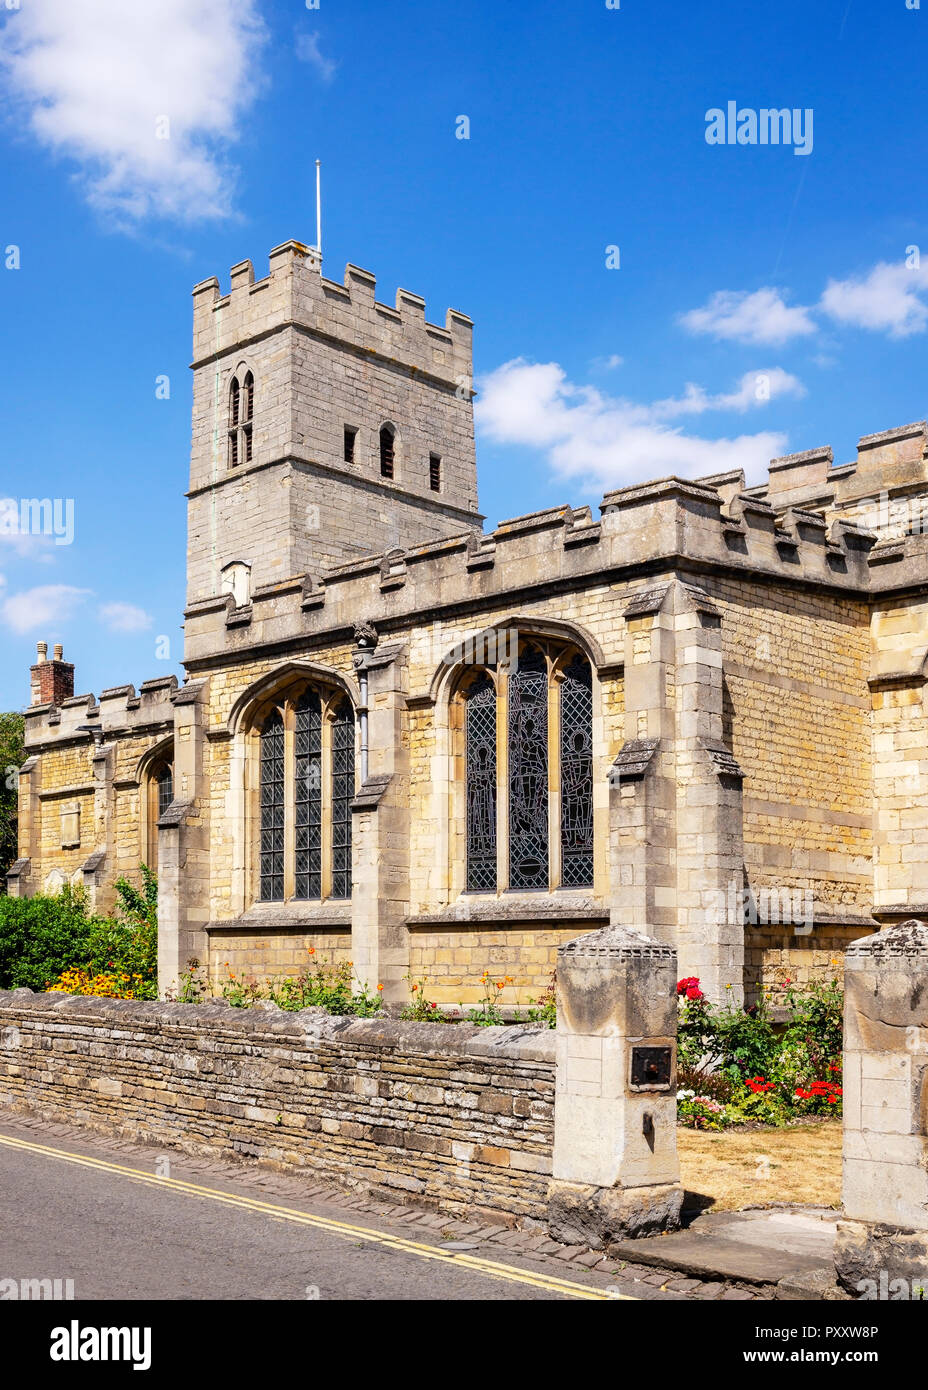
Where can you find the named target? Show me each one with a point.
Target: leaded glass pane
(577, 775)
(272, 810)
(165, 790)
(528, 772)
(480, 734)
(308, 791)
(342, 796)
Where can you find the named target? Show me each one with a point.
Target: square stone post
(616, 1173)
(884, 1236)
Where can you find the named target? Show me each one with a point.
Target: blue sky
(762, 302)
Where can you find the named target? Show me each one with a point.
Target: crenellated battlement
(671, 523)
(119, 710)
(889, 465)
(295, 293)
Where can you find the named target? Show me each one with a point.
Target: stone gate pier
(884, 1236)
(616, 1174)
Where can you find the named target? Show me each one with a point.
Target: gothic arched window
(241, 417)
(308, 779)
(342, 794)
(576, 720)
(480, 737)
(528, 824)
(306, 761)
(528, 772)
(159, 793)
(272, 809)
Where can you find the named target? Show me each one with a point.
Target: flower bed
(736, 1068)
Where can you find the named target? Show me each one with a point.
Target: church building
(433, 750)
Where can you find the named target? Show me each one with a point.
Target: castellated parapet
(331, 368)
(658, 527)
(119, 711)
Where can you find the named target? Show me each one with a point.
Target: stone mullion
(554, 779)
(325, 810)
(502, 783)
(289, 802)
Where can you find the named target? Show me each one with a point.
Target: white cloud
(607, 442)
(754, 389)
(95, 78)
(124, 617)
(887, 299)
(759, 317)
(307, 50)
(42, 606)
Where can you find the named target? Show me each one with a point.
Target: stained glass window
(528, 772)
(165, 780)
(480, 735)
(342, 794)
(272, 809)
(308, 788)
(577, 775)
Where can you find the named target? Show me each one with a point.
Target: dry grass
(739, 1168)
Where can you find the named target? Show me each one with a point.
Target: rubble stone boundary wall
(455, 1116)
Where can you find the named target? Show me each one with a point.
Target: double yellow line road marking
(490, 1269)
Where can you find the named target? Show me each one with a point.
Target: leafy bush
(42, 936)
(45, 938)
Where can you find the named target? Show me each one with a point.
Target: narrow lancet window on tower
(387, 451)
(241, 416)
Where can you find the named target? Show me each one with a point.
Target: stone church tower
(326, 426)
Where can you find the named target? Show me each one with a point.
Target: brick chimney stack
(51, 681)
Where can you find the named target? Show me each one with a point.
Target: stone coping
(508, 910)
(516, 1043)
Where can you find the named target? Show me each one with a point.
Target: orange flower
(311, 951)
(414, 988)
(500, 984)
(380, 986)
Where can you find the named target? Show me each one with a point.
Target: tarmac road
(76, 1207)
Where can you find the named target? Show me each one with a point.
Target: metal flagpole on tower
(319, 207)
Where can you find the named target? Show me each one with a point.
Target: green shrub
(41, 937)
(44, 936)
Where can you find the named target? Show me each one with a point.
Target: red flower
(690, 983)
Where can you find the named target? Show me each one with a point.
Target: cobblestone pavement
(478, 1241)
